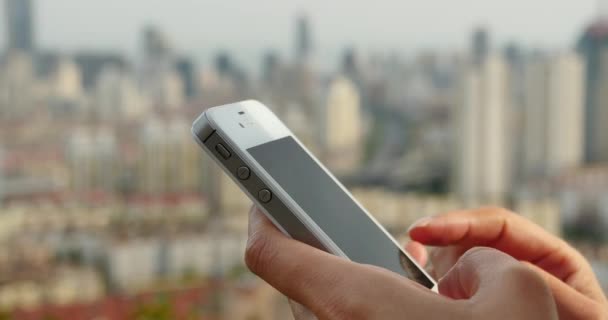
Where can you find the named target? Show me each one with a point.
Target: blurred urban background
(109, 210)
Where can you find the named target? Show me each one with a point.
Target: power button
(265, 195)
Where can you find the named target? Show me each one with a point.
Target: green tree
(159, 309)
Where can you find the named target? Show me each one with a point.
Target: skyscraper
(17, 83)
(224, 64)
(480, 45)
(91, 64)
(160, 81)
(1, 175)
(67, 80)
(350, 63)
(19, 25)
(187, 72)
(183, 162)
(553, 114)
(152, 166)
(303, 39)
(271, 63)
(593, 45)
(155, 43)
(169, 162)
(116, 95)
(92, 156)
(481, 156)
(343, 138)
(515, 56)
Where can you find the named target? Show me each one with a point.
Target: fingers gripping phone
(294, 190)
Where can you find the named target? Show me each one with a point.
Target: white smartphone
(295, 191)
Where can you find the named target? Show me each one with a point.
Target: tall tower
(159, 80)
(2, 182)
(92, 158)
(343, 139)
(481, 123)
(19, 25)
(553, 114)
(480, 45)
(593, 46)
(303, 39)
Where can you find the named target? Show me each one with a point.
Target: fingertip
(258, 221)
(424, 234)
(420, 229)
(421, 223)
(418, 234)
(441, 230)
(418, 252)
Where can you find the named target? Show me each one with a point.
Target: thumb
(498, 285)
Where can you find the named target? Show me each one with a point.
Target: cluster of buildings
(528, 126)
(102, 187)
(104, 196)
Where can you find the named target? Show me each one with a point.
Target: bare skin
(483, 284)
(573, 284)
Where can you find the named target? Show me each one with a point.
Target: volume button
(265, 195)
(223, 151)
(243, 173)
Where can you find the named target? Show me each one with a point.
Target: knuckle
(475, 253)
(519, 272)
(259, 253)
(596, 312)
(525, 278)
(511, 271)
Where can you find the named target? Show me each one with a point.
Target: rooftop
(598, 28)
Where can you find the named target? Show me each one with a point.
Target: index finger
(505, 231)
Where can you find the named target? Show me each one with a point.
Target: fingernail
(423, 222)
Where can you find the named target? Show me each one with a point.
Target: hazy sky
(201, 27)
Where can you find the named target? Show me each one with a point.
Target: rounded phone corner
(202, 128)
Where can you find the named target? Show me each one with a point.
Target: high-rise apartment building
(342, 131)
(20, 25)
(2, 182)
(169, 162)
(481, 171)
(67, 80)
(552, 114)
(160, 81)
(18, 86)
(152, 164)
(186, 70)
(116, 95)
(91, 64)
(593, 45)
(184, 165)
(480, 45)
(92, 155)
(303, 44)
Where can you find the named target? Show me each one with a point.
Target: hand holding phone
(575, 287)
(485, 284)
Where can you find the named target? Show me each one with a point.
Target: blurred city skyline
(202, 28)
(108, 208)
